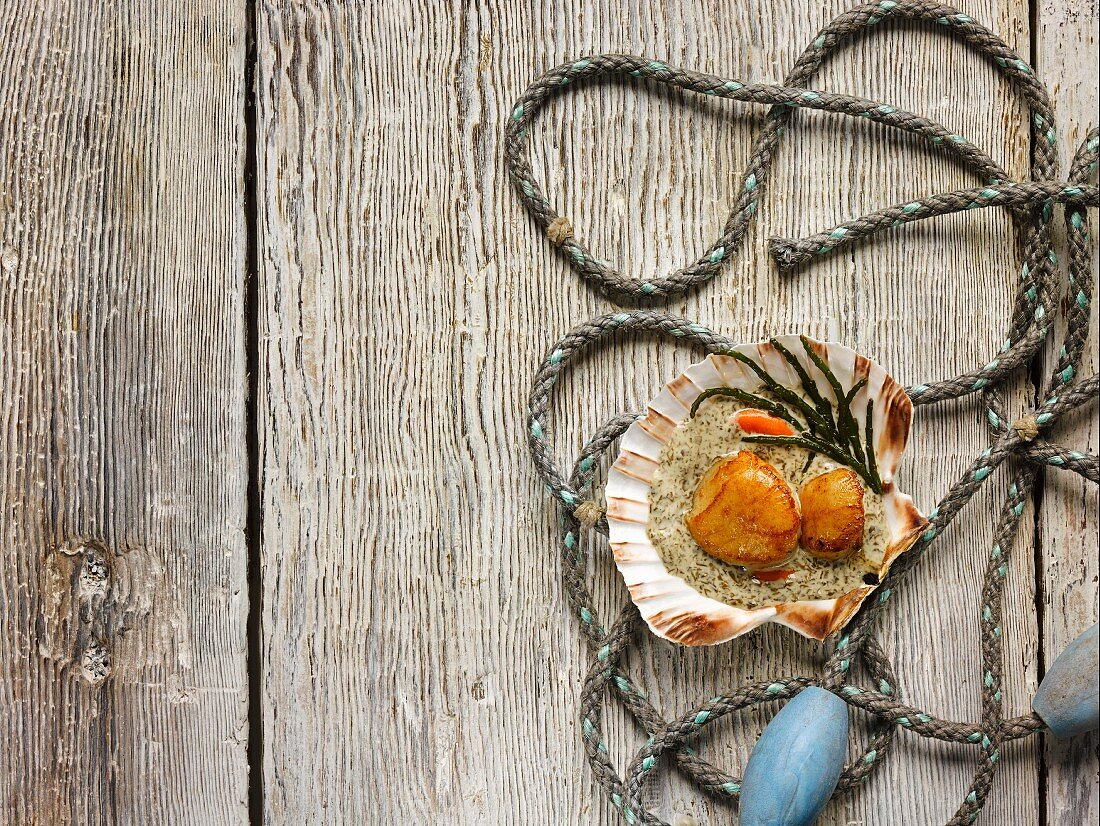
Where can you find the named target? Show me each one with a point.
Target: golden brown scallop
(744, 513)
(832, 514)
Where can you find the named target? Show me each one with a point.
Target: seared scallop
(832, 514)
(744, 513)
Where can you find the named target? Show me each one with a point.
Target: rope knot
(1027, 427)
(559, 231)
(588, 513)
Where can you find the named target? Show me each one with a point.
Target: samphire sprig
(829, 428)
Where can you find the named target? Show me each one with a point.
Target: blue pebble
(797, 761)
(1067, 698)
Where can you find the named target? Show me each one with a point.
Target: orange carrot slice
(772, 576)
(752, 420)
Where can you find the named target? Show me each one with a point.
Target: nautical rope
(1034, 310)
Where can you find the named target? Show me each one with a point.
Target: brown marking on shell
(636, 466)
(821, 348)
(684, 390)
(768, 356)
(861, 369)
(642, 593)
(692, 628)
(626, 552)
(806, 617)
(734, 373)
(626, 511)
(645, 591)
(658, 425)
(845, 607)
(819, 619)
(898, 413)
(722, 363)
(915, 525)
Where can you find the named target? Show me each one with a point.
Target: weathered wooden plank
(122, 589)
(1069, 530)
(413, 626)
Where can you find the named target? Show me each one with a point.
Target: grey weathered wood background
(411, 657)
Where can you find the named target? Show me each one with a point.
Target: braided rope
(1031, 205)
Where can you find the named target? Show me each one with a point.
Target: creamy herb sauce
(698, 443)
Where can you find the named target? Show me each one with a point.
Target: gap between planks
(254, 519)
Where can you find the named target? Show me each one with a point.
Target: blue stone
(1067, 698)
(797, 761)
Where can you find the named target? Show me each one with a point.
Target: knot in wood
(588, 513)
(95, 663)
(1027, 427)
(559, 231)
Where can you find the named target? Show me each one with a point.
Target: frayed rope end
(785, 253)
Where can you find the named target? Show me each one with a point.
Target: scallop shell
(673, 609)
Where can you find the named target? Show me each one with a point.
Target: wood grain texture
(123, 685)
(1069, 528)
(414, 634)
